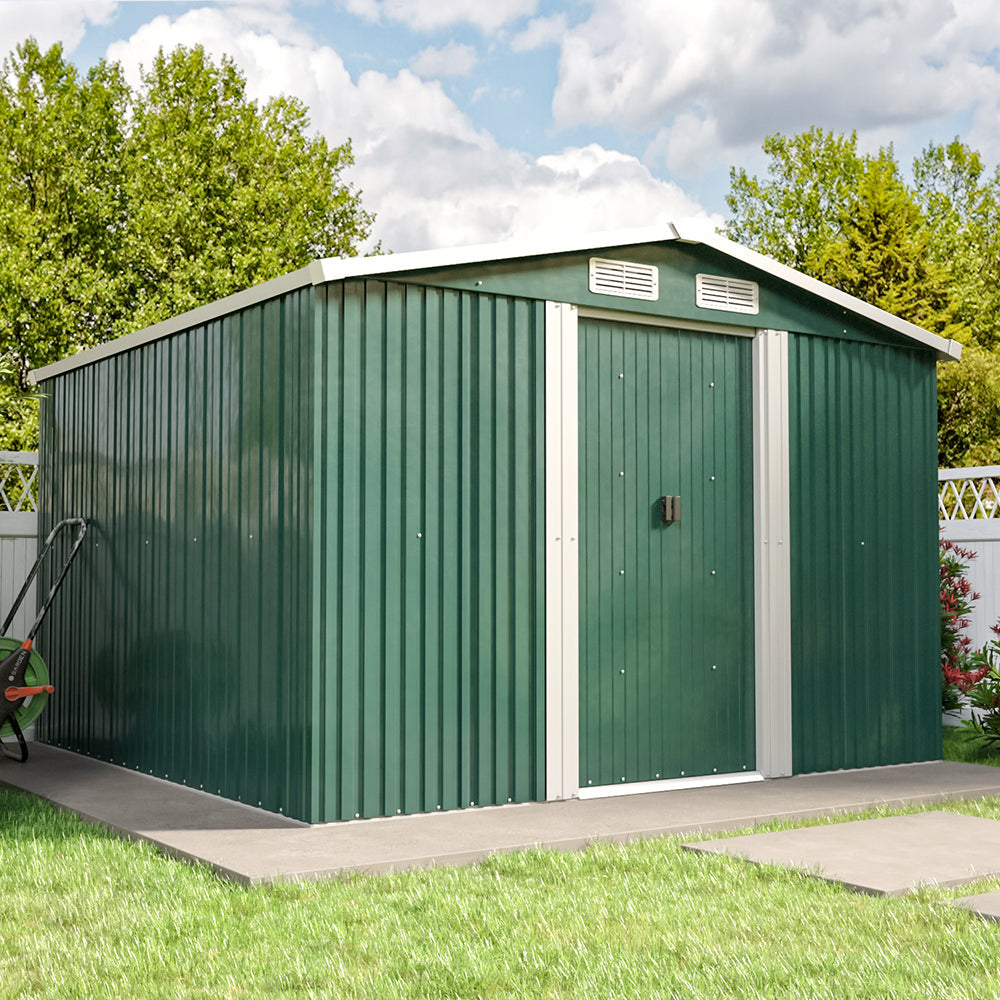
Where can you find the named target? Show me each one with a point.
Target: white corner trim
(562, 560)
(772, 565)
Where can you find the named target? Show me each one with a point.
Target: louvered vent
(622, 278)
(728, 294)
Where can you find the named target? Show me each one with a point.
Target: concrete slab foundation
(250, 845)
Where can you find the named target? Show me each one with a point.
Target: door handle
(670, 509)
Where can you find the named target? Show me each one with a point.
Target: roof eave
(338, 269)
(947, 350)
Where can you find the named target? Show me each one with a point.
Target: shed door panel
(666, 610)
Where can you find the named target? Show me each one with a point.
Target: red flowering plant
(984, 696)
(961, 668)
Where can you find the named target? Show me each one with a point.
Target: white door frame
(771, 523)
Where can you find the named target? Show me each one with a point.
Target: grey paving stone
(250, 845)
(984, 904)
(887, 856)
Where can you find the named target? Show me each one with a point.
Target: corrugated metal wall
(865, 627)
(181, 642)
(430, 569)
(666, 614)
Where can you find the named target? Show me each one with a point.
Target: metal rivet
(147, 542)
(713, 572)
(621, 473)
(357, 815)
(623, 670)
(621, 374)
(398, 811)
(657, 773)
(472, 803)
(509, 799)
(623, 777)
(862, 543)
(682, 774)
(590, 781)
(714, 666)
(711, 385)
(712, 478)
(420, 534)
(251, 534)
(439, 807)
(621, 572)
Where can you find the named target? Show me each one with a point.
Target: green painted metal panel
(666, 634)
(565, 278)
(178, 641)
(865, 626)
(430, 586)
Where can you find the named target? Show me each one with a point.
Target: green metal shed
(434, 530)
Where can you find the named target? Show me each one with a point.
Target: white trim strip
(562, 572)
(668, 784)
(772, 565)
(341, 268)
(644, 319)
(973, 472)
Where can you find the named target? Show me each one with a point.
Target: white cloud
(541, 31)
(452, 59)
(716, 76)
(432, 178)
(428, 15)
(63, 21)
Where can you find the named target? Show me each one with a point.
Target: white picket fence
(18, 534)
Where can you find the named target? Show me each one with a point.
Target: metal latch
(670, 509)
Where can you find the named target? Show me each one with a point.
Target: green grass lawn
(87, 915)
(958, 746)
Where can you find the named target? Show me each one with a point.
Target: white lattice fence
(969, 513)
(18, 533)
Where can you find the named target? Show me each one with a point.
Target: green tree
(880, 252)
(224, 193)
(961, 207)
(796, 212)
(61, 207)
(927, 253)
(122, 207)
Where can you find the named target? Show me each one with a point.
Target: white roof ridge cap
(338, 268)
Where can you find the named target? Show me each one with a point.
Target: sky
(478, 121)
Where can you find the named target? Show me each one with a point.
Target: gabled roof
(337, 269)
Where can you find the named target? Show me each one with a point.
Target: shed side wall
(180, 645)
(865, 642)
(430, 600)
